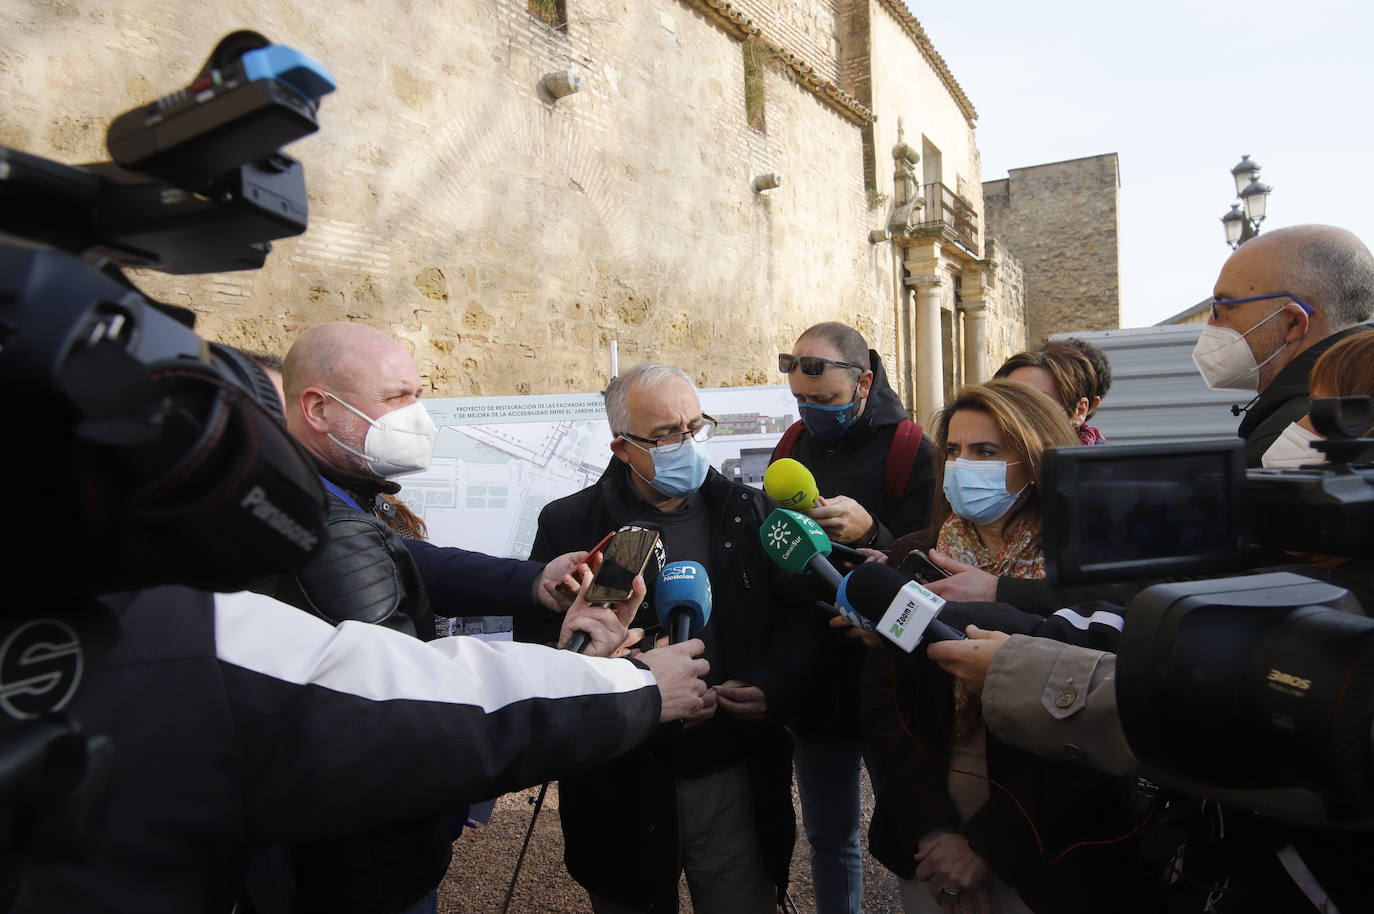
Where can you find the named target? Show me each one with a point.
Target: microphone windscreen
(686, 586)
(791, 539)
(790, 484)
(878, 598)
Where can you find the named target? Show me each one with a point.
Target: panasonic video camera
(1259, 681)
(137, 454)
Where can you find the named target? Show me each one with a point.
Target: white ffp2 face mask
(1293, 448)
(1225, 361)
(398, 443)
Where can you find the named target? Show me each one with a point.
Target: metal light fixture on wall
(1243, 221)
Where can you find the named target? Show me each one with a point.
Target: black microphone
(880, 599)
(1237, 409)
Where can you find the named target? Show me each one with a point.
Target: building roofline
(736, 23)
(912, 26)
(1100, 155)
(1187, 312)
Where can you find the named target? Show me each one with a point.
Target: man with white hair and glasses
(712, 797)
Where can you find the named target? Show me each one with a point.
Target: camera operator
(1281, 300)
(1059, 700)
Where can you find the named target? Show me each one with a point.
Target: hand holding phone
(919, 567)
(625, 556)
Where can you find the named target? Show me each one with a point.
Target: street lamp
(1243, 221)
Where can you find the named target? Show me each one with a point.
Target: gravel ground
(483, 861)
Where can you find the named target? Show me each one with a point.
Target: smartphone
(592, 561)
(593, 558)
(625, 557)
(916, 565)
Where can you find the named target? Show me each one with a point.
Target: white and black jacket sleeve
(341, 726)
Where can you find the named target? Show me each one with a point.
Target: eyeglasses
(1232, 302)
(811, 365)
(669, 443)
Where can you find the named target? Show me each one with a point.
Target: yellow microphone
(790, 484)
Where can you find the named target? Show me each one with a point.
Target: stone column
(975, 342)
(927, 368)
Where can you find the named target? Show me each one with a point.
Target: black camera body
(165, 456)
(1256, 682)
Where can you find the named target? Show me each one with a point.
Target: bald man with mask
(352, 398)
(1281, 300)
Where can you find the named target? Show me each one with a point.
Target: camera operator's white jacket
(241, 721)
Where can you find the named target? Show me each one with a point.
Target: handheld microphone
(880, 599)
(789, 483)
(636, 548)
(682, 597)
(797, 543)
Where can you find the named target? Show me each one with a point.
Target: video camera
(163, 456)
(1263, 681)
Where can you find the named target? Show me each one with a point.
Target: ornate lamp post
(1243, 221)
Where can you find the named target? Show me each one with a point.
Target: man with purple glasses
(1282, 299)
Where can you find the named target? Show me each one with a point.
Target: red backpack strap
(787, 442)
(901, 455)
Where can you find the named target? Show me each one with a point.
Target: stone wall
(1006, 308)
(904, 85)
(505, 237)
(1061, 220)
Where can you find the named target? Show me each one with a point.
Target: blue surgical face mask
(828, 424)
(977, 489)
(680, 471)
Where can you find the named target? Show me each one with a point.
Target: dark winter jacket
(855, 466)
(364, 573)
(908, 706)
(619, 821)
(830, 707)
(1285, 400)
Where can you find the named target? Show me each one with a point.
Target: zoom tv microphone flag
(880, 599)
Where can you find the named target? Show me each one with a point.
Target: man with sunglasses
(1282, 299)
(873, 469)
(712, 798)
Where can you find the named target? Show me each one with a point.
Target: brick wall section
(503, 237)
(1006, 310)
(808, 28)
(1061, 221)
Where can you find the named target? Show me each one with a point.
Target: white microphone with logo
(880, 599)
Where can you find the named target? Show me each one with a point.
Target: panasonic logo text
(262, 509)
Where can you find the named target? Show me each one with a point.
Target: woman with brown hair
(1064, 374)
(955, 844)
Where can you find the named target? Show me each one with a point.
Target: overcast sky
(1179, 90)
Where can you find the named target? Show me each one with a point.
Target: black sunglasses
(811, 365)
